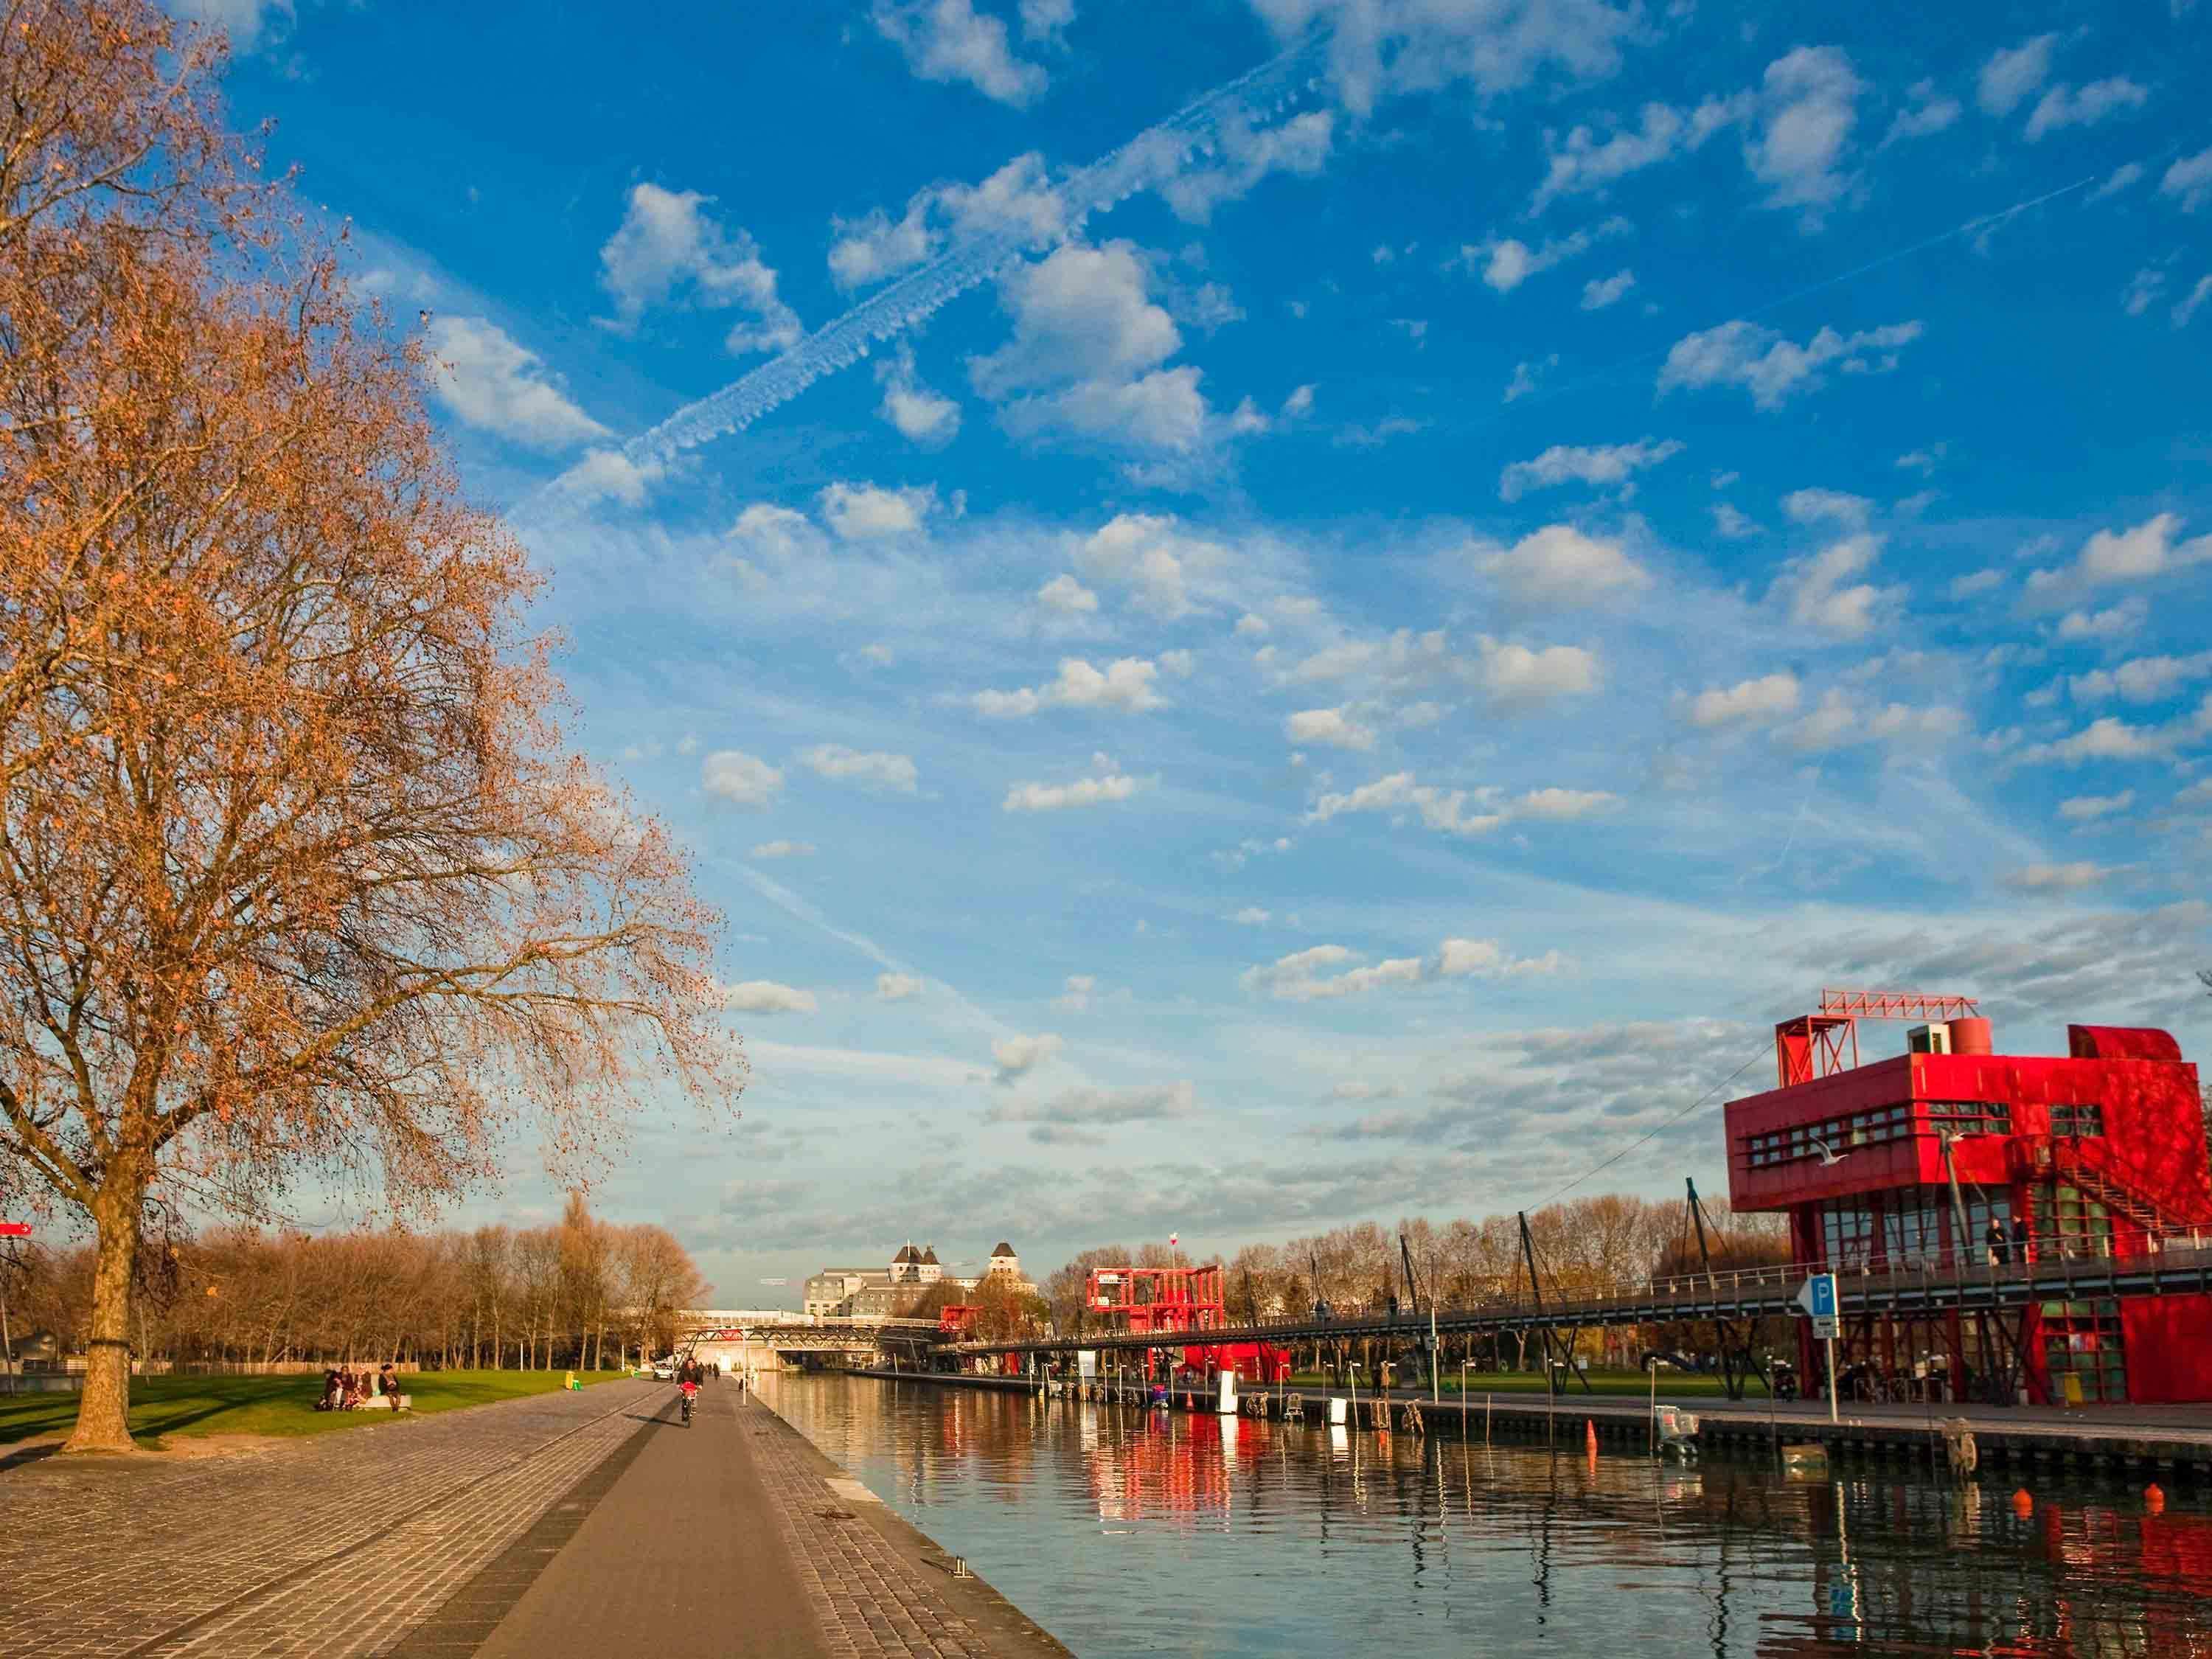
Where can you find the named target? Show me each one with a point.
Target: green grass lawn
(195, 1405)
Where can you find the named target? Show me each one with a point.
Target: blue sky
(1359, 677)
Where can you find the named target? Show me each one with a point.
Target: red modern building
(1929, 1157)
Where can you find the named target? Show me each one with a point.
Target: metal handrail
(1680, 1295)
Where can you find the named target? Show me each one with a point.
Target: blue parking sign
(1818, 1299)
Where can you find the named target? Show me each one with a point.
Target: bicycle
(690, 1391)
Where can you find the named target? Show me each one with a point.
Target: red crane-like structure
(1815, 1045)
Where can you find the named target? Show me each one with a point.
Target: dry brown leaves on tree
(296, 874)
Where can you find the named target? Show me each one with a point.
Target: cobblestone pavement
(334, 1545)
(871, 1601)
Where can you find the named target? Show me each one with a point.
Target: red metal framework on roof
(1157, 1298)
(1814, 1045)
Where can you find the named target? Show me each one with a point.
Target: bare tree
(297, 877)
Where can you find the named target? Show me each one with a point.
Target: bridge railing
(1872, 1278)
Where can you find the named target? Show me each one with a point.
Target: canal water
(1131, 1532)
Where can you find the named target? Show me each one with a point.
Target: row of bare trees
(582, 1292)
(1583, 1248)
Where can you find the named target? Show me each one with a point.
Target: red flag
(1172, 1239)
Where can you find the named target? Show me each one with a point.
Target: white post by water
(1831, 1380)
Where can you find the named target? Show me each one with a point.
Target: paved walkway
(737, 1537)
(578, 1524)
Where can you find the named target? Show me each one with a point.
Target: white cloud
(1928, 111)
(765, 996)
(1067, 596)
(2010, 75)
(1153, 557)
(949, 40)
(1376, 50)
(1293, 979)
(783, 849)
(1508, 262)
(2143, 291)
(1299, 403)
(610, 475)
(1019, 199)
(1487, 958)
(2106, 738)
(2058, 878)
(1058, 796)
(1086, 354)
(1515, 676)
(2065, 106)
(1598, 293)
(2086, 809)
(740, 779)
(2142, 552)
(2184, 312)
(1732, 522)
(1303, 975)
(2188, 180)
(1243, 154)
(1078, 990)
(241, 20)
(1125, 684)
(1077, 1117)
(1559, 565)
(1525, 376)
(873, 770)
(668, 250)
(1582, 161)
(898, 988)
(1808, 105)
(1819, 592)
(1252, 916)
(1045, 20)
(1441, 810)
(488, 382)
(1747, 702)
(1773, 370)
(2144, 679)
(1600, 464)
(1018, 1054)
(1327, 726)
(775, 534)
(859, 512)
(2116, 622)
(919, 414)
(1977, 581)
(2129, 174)
(1812, 506)
(1841, 723)
(1557, 806)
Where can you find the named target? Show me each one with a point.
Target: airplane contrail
(1153, 158)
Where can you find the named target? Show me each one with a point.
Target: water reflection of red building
(1163, 1466)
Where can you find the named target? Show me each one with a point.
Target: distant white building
(876, 1292)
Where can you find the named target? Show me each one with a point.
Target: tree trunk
(103, 1415)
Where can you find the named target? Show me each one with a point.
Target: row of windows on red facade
(1883, 1123)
